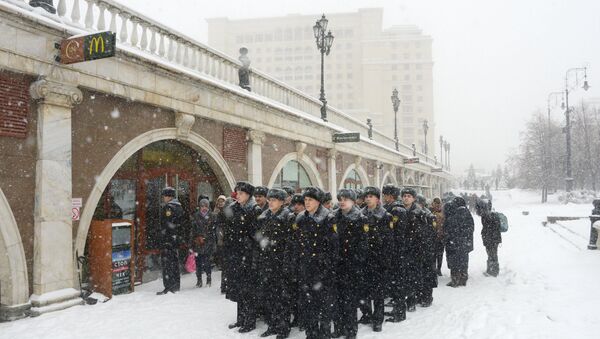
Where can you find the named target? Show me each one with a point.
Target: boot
(411, 303)
(199, 282)
(246, 329)
(365, 319)
(463, 277)
(234, 325)
(208, 280)
(165, 291)
(376, 327)
(439, 272)
(268, 333)
(454, 279)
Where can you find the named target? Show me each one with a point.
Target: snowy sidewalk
(547, 288)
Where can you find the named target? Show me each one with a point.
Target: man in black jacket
(172, 215)
(274, 263)
(240, 247)
(318, 253)
(260, 195)
(426, 263)
(490, 234)
(398, 283)
(352, 230)
(379, 259)
(458, 229)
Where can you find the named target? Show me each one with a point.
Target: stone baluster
(134, 32)
(193, 58)
(124, 35)
(153, 44)
(178, 52)
(89, 15)
(200, 62)
(161, 48)
(101, 19)
(171, 54)
(62, 8)
(144, 41)
(186, 57)
(113, 20)
(206, 67)
(75, 14)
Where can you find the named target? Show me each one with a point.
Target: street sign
(437, 169)
(89, 47)
(346, 137)
(411, 160)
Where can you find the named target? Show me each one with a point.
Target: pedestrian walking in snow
(490, 234)
(203, 241)
(437, 210)
(458, 232)
(172, 216)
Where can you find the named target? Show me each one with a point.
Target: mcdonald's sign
(90, 47)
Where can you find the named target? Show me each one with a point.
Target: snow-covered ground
(549, 287)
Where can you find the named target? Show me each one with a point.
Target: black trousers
(439, 254)
(203, 265)
(345, 320)
(246, 313)
(169, 260)
(493, 267)
(374, 309)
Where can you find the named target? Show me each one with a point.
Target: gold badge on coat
(168, 213)
(295, 226)
(334, 228)
(395, 218)
(366, 228)
(391, 224)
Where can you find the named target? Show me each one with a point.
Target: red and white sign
(76, 203)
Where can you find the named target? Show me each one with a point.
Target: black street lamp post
(576, 71)
(442, 150)
(425, 129)
(396, 105)
(324, 42)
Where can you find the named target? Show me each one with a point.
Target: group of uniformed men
(295, 260)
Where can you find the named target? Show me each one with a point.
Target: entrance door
(148, 251)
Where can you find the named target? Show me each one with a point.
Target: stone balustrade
(146, 35)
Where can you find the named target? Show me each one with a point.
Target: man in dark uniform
(352, 230)
(274, 263)
(327, 201)
(379, 259)
(290, 192)
(296, 207)
(171, 217)
(297, 204)
(260, 195)
(398, 282)
(426, 263)
(317, 260)
(240, 247)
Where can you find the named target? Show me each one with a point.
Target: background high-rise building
(365, 64)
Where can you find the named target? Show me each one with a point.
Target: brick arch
(364, 178)
(194, 140)
(306, 162)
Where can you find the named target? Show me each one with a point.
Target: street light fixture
(324, 42)
(396, 105)
(576, 71)
(425, 129)
(442, 150)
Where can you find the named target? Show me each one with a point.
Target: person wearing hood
(398, 283)
(352, 229)
(490, 234)
(316, 262)
(274, 264)
(458, 230)
(240, 247)
(204, 242)
(379, 259)
(437, 210)
(172, 217)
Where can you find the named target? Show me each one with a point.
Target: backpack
(503, 221)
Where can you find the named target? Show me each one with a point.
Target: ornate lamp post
(573, 71)
(324, 42)
(425, 129)
(442, 150)
(446, 151)
(396, 105)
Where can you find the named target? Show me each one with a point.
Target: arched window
(294, 175)
(352, 180)
(388, 180)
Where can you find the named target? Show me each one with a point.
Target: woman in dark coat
(203, 241)
(490, 234)
(458, 231)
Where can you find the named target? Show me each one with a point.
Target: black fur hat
(390, 189)
(372, 190)
(297, 199)
(346, 193)
(409, 190)
(244, 187)
(313, 192)
(261, 190)
(360, 194)
(327, 197)
(289, 190)
(421, 200)
(277, 193)
(168, 192)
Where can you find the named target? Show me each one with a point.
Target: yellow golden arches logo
(97, 41)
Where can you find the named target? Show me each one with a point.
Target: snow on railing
(144, 34)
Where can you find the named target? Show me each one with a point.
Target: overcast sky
(494, 61)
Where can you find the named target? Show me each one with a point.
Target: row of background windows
(299, 33)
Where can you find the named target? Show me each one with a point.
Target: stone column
(378, 167)
(53, 229)
(331, 172)
(256, 140)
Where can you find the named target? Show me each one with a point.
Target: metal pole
(568, 179)
(396, 128)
